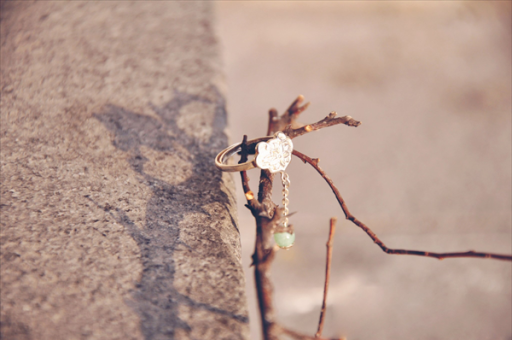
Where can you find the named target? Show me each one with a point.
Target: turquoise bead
(284, 240)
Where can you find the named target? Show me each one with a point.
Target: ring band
(274, 155)
(224, 155)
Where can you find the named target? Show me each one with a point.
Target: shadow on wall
(155, 298)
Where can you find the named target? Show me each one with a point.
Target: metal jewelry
(272, 154)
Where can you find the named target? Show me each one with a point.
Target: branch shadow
(155, 299)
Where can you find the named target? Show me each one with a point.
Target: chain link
(285, 179)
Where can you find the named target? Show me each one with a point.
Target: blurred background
(429, 168)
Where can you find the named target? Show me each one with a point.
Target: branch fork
(268, 216)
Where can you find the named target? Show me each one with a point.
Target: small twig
(273, 122)
(349, 216)
(267, 216)
(294, 110)
(263, 212)
(327, 276)
(330, 120)
(289, 117)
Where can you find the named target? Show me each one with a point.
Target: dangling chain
(285, 179)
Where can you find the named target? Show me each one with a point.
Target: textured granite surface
(115, 223)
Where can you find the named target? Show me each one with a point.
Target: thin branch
(273, 122)
(330, 120)
(289, 117)
(328, 261)
(349, 216)
(268, 215)
(294, 110)
(263, 252)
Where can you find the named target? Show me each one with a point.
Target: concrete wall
(115, 223)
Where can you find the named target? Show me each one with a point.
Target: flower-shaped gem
(276, 154)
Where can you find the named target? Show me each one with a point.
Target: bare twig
(263, 209)
(314, 163)
(291, 114)
(273, 122)
(267, 216)
(288, 118)
(330, 120)
(328, 261)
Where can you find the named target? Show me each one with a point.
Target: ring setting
(274, 155)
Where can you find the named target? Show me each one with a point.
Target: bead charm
(284, 240)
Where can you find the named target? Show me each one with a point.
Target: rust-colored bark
(332, 229)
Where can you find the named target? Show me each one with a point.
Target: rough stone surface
(115, 223)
